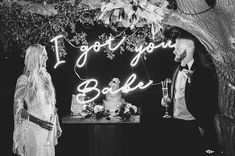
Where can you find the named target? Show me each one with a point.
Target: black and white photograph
(117, 77)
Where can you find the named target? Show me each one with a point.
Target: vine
(21, 28)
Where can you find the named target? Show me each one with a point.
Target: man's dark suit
(201, 99)
(200, 94)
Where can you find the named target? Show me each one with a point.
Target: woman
(36, 124)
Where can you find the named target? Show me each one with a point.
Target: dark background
(157, 67)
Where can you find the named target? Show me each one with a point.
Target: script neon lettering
(90, 85)
(127, 86)
(86, 87)
(96, 47)
(58, 61)
(140, 50)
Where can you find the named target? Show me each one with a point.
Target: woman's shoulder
(22, 79)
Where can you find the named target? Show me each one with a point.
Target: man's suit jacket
(201, 94)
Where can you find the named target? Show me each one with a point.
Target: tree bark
(215, 29)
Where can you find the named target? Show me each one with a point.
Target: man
(193, 100)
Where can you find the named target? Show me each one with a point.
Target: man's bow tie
(183, 67)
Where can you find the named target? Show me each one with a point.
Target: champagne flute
(166, 96)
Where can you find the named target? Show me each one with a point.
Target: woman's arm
(42, 123)
(20, 91)
(19, 111)
(19, 122)
(58, 127)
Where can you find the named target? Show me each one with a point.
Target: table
(105, 136)
(114, 120)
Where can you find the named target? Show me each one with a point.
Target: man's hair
(200, 54)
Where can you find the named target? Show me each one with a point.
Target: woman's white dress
(30, 139)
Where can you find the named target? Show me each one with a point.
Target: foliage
(93, 110)
(21, 28)
(134, 13)
(127, 111)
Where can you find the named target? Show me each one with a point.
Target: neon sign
(90, 85)
(96, 47)
(55, 39)
(140, 50)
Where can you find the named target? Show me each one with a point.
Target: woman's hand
(24, 114)
(44, 124)
(59, 131)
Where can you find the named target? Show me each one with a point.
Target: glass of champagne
(166, 96)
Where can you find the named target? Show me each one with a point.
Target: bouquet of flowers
(95, 111)
(99, 112)
(127, 111)
(134, 13)
(188, 74)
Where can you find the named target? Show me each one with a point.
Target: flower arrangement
(93, 110)
(188, 74)
(97, 111)
(127, 111)
(134, 13)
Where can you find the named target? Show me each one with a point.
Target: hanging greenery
(40, 21)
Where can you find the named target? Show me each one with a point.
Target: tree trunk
(215, 30)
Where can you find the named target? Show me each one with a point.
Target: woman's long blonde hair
(37, 75)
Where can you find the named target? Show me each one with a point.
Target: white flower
(98, 108)
(128, 105)
(84, 107)
(188, 74)
(126, 110)
(134, 108)
(151, 13)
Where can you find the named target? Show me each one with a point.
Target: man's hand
(165, 101)
(202, 131)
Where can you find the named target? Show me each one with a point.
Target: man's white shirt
(180, 110)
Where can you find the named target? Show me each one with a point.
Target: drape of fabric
(30, 139)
